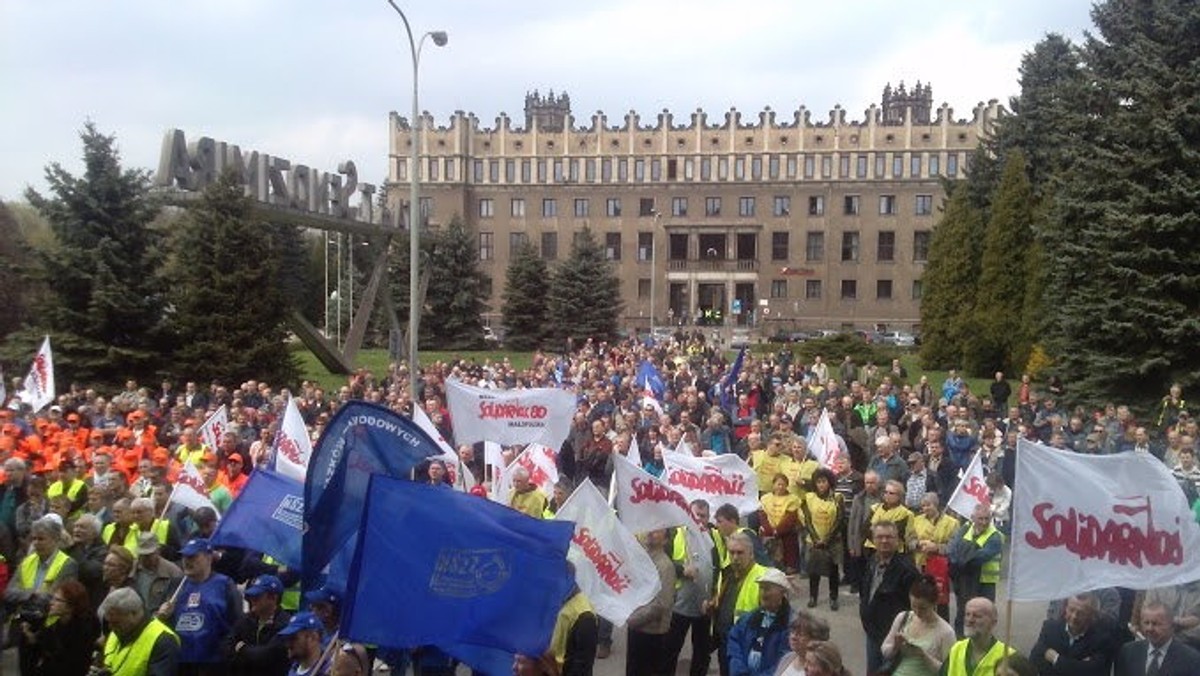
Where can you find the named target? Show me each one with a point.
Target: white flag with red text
(612, 568)
(972, 489)
(542, 464)
(461, 476)
(717, 480)
(1083, 522)
(215, 427)
(39, 384)
(643, 502)
(510, 417)
(293, 447)
(824, 444)
(190, 490)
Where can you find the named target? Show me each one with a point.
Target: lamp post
(653, 266)
(414, 201)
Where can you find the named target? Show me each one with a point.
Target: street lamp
(414, 201)
(653, 265)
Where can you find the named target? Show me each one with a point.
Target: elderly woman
(892, 509)
(805, 630)
(36, 577)
(779, 518)
(63, 645)
(824, 659)
(822, 512)
(927, 540)
(117, 569)
(89, 552)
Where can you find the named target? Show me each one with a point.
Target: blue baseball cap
(196, 546)
(301, 622)
(322, 595)
(264, 584)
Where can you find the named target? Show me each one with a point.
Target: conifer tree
(585, 298)
(452, 316)
(949, 281)
(527, 283)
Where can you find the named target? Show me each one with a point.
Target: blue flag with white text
(267, 517)
(434, 566)
(727, 397)
(648, 377)
(362, 439)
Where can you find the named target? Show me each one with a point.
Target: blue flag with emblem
(362, 439)
(649, 378)
(434, 566)
(267, 517)
(727, 397)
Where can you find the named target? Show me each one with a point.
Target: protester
(822, 517)
(919, 640)
(63, 645)
(804, 630)
(1158, 653)
(202, 611)
(303, 637)
(138, 643)
(928, 540)
(759, 640)
(883, 589)
(252, 646)
(695, 582)
(980, 652)
(154, 577)
(779, 524)
(738, 593)
(649, 624)
(974, 554)
(824, 659)
(29, 591)
(1083, 644)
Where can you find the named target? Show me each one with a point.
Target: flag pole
(1008, 613)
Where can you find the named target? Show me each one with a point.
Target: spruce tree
(452, 316)
(585, 298)
(949, 281)
(105, 304)
(14, 273)
(526, 286)
(228, 308)
(1124, 249)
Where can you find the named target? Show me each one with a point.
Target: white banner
(612, 568)
(293, 447)
(39, 384)
(461, 476)
(635, 453)
(972, 489)
(510, 417)
(717, 480)
(643, 502)
(824, 444)
(215, 427)
(1082, 522)
(190, 491)
(542, 464)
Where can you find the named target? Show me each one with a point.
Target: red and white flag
(510, 417)
(824, 444)
(39, 384)
(293, 446)
(190, 490)
(972, 489)
(645, 503)
(542, 464)
(612, 568)
(215, 427)
(717, 480)
(461, 476)
(1083, 522)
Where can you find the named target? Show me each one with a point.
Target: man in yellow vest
(737, 594)
(526, 496)
(974, 554)
(70, 484)
(44, 567)
(139, 644)
(980, 652)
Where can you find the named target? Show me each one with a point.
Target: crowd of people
(106, 571)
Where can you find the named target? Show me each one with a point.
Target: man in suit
(884, 589)
(1159, 654)
(1084, 645)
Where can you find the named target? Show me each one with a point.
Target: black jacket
(1092, 654)
(264, 651)
(878, 610)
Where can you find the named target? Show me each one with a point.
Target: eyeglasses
(57, 599)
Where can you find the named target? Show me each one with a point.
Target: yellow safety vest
(134, 659)
(574, 607)
(747, 597)
(29, 566)
(160, 528)
(958, 658)
(990, 573)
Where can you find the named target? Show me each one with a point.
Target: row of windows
(884, 289)
(814, 249)
(825, 166)
(889, 205)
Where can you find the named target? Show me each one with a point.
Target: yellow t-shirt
(776, 507)
(766, 466)
(899, 515)
(799, 474)
(531, 502)
(823, 513)
(924, 529)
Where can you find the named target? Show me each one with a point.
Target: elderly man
(89, 552)
(738, 593)
(1158, 654)
(974, 554)
(883, 589)
(1085, 644)
(694, 571)
(154, 578)
(138, 643)
(525, 496)
(203, 611)
(649, 624)
(45, 566)
(980, 652)
(759, 640)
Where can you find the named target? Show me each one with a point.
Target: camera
(33, 612)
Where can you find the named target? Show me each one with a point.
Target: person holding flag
(202, 612)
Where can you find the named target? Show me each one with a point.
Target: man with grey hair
(154, 577)
(35, 578)
(139, 643)
(88, 552)
(1085, 643)
(738, 593)
(525, 496)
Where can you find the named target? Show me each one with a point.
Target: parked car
(741, 338)
(491, 336)
(899, 338)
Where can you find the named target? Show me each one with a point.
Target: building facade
(787, 225)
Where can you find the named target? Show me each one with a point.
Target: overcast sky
(314, 81)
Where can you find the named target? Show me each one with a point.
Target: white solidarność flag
(461, 476)
(824, 444)
(215, 427)
(717, 480)
(972, 489)
(542, 464)
(39, 384)
(190, 491)
(293, 447)
(644, 503)
(510, 417)
(1082, 522)
(611, 567)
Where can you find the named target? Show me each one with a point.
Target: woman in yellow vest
(769, 463)
(45, 566)
(137, 640)
(928, 539)
(822, 514)
(780, 519)
(892, 509)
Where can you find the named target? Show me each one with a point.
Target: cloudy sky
(313, 81)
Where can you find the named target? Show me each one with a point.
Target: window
(589, 170)
(952, 165)
(826, 167)
(689, 169)
(783, 205)
(485, 286)
(880, 165)
(679, 206)
(622, 171)
(541, 171)
(487, 208)
(646, 206)
(816, 205)
(773, 167)
(924, 205)
(812, 289)
(791, 166)
(883, 289)
(494, 171)
(920, 246)
(450, 168)
(897, 165)
(914, 166)
(612, 246)
(487, 246)
(549, 246)
(426, 207)
(935, 166)
(510, 171)
(885, 252)
(849, 289)
(645, 247)
(745, 206)
(723, 169)
(639, 170)
(582, 207)
(516, 241)
(779, 246)
(549, 207)
(739, 168)
(844, 167)
(477, 171)
(606, 170)
(861, 166)
(402, 170)
(887, 205)
(612, 207)
(517, 207)
(433, 169)
(558, 171)
(809, 166)
(756, 168)
(573, 171)
(814, 247)
(918, 289)
(850, 247)
(655, 170)
(643, 289)
(712, 206)
(526, 171)
(779, 288)
(672, 169)
(851, 205)
(706, 169)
